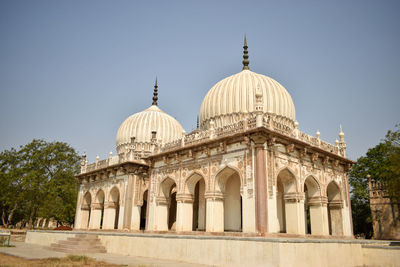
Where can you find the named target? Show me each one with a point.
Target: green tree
(381, 163)
(40, 177)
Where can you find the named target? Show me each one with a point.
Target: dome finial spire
(155, 93)
(245, 55)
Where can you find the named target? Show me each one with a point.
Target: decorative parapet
(131, 156)
(274, 123)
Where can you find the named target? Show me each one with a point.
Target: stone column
(202, 207)
(135, 217)
(95, 217)
(161, 215)
(294, 211)
(335, 214)
(214, 212)
(109, 215)
(128, 202)
(260, 184)
(82, 223)
(184, 213)
(78, 213)
(319, 215)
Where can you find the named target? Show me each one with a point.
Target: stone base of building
(224, 250)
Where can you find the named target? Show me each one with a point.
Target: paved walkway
(31, 251)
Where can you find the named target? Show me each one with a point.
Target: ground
(25, 254)
(70, 260)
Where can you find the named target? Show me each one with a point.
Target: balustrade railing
(279, 125)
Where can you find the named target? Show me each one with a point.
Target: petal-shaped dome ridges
(142, 124)
(234, 98)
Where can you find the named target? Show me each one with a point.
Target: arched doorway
(290, 204)
(114, 208)
(143, 211)
(335, 206)
(312, 206)
(98, 210)
(195, 185)
(172, 210)
(86, 210)
(280, 207)
(169, 190)
(228, 182)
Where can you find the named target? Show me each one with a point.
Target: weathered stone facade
(385, 212)
(294, 175)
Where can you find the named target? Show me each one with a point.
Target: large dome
(234, 98)
(142, 124)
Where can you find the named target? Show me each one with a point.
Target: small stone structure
(385, 212)
(247, 168)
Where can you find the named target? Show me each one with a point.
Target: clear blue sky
(72, 71)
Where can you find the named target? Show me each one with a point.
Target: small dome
(142, 124)
(232, 98)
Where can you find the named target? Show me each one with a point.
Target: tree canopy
(37, 180)
(381, 163)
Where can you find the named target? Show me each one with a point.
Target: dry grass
(70, 260)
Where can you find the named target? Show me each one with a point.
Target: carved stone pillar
(79, 213)
(335, 215)
(135, 217)
(319, 215)
(294, 211)
(95, 218)
(128, 209)
(260, 184)
(109, 215)
(214, 212)
(161, 214)
(84, 213)
(184, 213)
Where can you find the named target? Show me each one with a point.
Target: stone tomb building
(246, 168)
(384, 210)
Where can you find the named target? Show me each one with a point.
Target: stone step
(66, 250)
(77, 238)
(74, 241)
(76, 247)
(80, 243)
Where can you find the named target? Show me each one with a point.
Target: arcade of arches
(302, 199)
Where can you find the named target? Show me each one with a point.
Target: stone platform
(238, 250)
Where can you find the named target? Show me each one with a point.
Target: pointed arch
(100, 196)
(114, 194)
(168, 191)
(166, 186)
(313, 187)
(143, 210)
(333, 191)
(98, 210)
(228, 182)
(288, 180)
(312, 206)
(195, 185)
(285, 185)
(85, 211)
(87, 198)
(222, 176)
(335, 207)
(191, 181)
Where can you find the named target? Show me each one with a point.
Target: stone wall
(240, 251)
